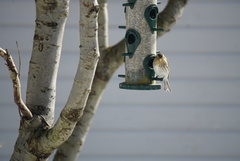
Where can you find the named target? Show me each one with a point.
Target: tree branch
(169, 16)
(72, 147)
(23, 109)
(103, 25)
(50, 23)
(81, 88)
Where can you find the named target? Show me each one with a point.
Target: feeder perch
(140, 38)
(122, 27)
(130, 3)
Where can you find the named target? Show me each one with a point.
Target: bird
(161, 69)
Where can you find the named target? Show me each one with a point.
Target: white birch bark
(50, 22)
(103, 25)
(83, 80)
(81, 88)
(47, 43)
(37, 139)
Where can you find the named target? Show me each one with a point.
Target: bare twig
(19, 60)
(24, 111)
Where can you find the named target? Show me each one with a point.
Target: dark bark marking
(74, 115)
(50, 5)
(40, 47)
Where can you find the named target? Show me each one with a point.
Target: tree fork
(47, 41)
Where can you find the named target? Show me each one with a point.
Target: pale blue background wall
(198, 121)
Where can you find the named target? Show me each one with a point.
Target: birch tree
(38, 135)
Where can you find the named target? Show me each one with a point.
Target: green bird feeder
(141, 38)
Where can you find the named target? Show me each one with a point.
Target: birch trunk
(43, 67)
(81, 88)
(49, 28)
(37, 138)
(89, 53)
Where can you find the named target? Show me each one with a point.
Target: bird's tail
(166, 85)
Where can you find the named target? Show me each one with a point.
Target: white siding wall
(198, 121)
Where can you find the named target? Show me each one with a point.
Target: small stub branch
(23, 109)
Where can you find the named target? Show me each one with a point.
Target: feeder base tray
(139, 87)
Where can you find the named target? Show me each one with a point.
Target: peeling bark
(23, 109)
